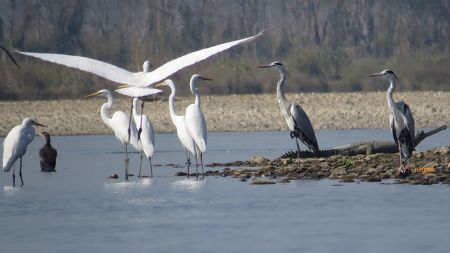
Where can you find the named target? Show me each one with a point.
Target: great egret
(146, 133)
(10, 56)
(47, 154)
(296, 118)
(196, 122)
(179, 122)
(15, 145)
(125, 131)
(401, 121)
(139, 79)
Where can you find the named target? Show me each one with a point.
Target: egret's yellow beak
(123, 86)
(37, 124)
(160, 84)
(92, 95)
(205, 78)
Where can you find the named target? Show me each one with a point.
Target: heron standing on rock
(401, 122)
(296, 118)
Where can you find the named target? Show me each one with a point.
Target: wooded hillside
(326, 45)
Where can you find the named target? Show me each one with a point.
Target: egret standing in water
(125, 131)
(146, 133)
(401, 121)
(47, 154)
(196, 122)
(296, 118)
(180, 124)
(16, 143)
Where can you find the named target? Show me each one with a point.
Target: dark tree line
(327, 45)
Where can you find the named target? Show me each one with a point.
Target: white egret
(401, 122)
(125, 131)
(296, 118)
(196, 122)
(15, 145)
(140, 79)
(47, 154)
(146, 133)
(179, 122)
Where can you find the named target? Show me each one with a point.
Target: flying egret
(47, 154)
(296, 118)
(15, 145)
(146, 133)
(196, 122)
(10, 56)
(401, 121)
(179, 122)
(140, 79)
(125, 132)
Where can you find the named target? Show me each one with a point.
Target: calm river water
(77, 209)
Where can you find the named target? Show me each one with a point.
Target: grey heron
(16, 143)
(296, 118)
(401, 121)
(196, 122)
(47, 154)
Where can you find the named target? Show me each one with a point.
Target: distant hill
(325, 45)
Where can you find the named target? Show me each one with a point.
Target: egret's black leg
(20, 172)
(188, 161)
(140, 125)
(127, 160)
(196, 161)
(151, 167)
(14, 176)
(140, 166)
(201, 161)
(129, 122)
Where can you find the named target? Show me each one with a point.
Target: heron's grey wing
(10, 56)
(394, 132)
(407, 117)
(303, 125)
(189, 59)
(93, 66)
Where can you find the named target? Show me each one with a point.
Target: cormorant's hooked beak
(37, 123)
(92, 95)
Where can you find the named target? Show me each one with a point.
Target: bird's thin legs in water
(201, 161)
(140, 166)
(196, 161)
(14, 176)
(188, 161)
(129, 122)
(127, 160)
(298, 152)
(20, 172)
(151, 167)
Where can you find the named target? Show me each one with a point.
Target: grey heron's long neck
(173, 113)
(390, 91)
(105, 108)
(280, 89)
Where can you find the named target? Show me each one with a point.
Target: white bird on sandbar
(196, 122)
(179, 121)
(16, 143)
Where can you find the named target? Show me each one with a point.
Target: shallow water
(78, 209)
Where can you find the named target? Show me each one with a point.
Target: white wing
(137, 92)
(192, 58)
(93, 66)
(123, 76)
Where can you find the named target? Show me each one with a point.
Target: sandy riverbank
(236, 112)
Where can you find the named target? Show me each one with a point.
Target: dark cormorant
(47, 154)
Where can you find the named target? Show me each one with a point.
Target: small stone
(113, 176)
(442, 151)
(181, 174)
(262, 182)
(259, 160)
